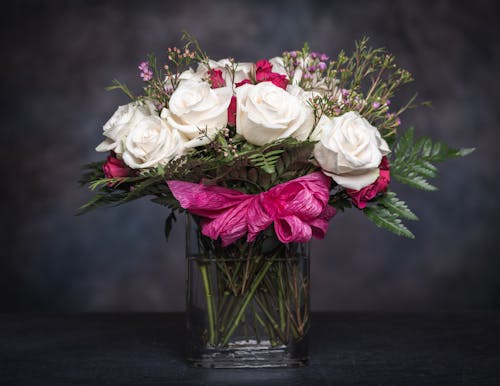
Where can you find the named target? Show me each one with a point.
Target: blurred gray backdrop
(57, 57)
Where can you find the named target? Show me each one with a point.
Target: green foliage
(412, 164)
(371, 78)
(169, 222)
(117, 191)
(117, 85)
(386, 219)
(387, 213)
(394, 205)
(91, 172)
(413, 159)
(266, 161)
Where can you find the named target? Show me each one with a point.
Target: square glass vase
(248, 304)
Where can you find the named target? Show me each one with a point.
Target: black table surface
(459, 348)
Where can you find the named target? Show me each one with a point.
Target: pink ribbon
(299, 209)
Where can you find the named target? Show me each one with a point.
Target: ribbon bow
(299, 209)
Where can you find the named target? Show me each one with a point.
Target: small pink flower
(146, 73)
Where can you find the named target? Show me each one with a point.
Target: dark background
(57, 57)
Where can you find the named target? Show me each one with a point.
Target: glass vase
(248, 304)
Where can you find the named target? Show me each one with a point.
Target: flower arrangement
(262, 156)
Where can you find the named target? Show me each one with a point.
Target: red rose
(368, 193)
(279, 80)
(262, 70)
(115, 167)
(264, 73)
(216, 78)
(244, 81)
(231, 112)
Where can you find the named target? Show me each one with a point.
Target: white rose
(349, 149)
(266, 112)
(119, 125)
(152, 142)
(198, 111)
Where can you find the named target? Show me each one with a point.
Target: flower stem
(246, 300)
(210, 306)
(281, 306)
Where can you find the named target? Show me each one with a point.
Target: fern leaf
(415, 181)
(392, 203)
(383, 218)
(266, 161)
(413, 159)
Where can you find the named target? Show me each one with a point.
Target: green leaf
(92, 171)
(415, 181)
(384, 218)
(170, 220)
(266, 161)
(392, 203)
(117, 85)
(413, 160)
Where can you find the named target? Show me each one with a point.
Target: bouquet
(261, 156)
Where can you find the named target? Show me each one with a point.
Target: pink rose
(368, 193)
(114, 168)
(216, 78)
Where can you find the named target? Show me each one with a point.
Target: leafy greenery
(413, 160)
(394, 205)
(117, 85)
(117, 191)
(412, 164)
(386, 219)
(364, 81)
(169, 222)
(266, 161)
(255, 169)
(388, 211)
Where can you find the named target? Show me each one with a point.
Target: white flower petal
(349, 149)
